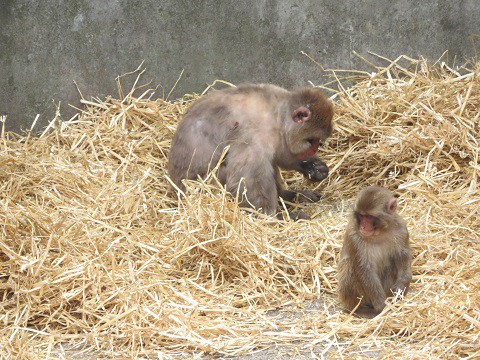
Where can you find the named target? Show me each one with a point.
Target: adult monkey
(265, 128)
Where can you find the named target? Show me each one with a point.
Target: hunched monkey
(376, 257)
(265, 128)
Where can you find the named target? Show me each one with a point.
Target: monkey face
(374, 210)
(368, 225)
(303, 140)
(310, 122)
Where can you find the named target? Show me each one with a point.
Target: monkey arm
(403, 261)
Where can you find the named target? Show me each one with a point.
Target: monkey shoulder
(401, 234)
(345, 252)
(400, 222)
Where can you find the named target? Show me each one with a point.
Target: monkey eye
(358, 217)
(371, 218)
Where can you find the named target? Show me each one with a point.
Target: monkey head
(374, 210)
(308, 122)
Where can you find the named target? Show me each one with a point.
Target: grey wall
(46, 45)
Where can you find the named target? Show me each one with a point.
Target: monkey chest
(380, 257)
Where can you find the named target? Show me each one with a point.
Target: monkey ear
(392, 205)
(301, 114)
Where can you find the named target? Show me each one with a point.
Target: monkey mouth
(367, 233)
(314, 144)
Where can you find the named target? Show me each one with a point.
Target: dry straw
(97, 260)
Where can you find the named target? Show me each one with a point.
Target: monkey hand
(314, 169)
(307, 196)
(379, 304)
(294, 215)
(400, 288)
(300, 196)
(366, 312)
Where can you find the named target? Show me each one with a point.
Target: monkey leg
(373, 288)
(314, 169)
(357, 278)
(350, 299)
(349, 289)
(252, 178)
(292, 196)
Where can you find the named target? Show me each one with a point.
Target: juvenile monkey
(265, 128)
(376, 258)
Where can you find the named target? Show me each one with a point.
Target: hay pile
(95, 257)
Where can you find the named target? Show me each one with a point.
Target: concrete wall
(47, 45)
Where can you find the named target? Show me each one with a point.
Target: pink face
(369, 225)
(366, 224)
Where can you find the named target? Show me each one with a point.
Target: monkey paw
(307, 196)
(366, 312)
(295, 216)
(314, 169)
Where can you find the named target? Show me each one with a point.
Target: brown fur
(372, 267)
(256, 123)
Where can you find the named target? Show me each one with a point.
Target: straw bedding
(96, 258)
